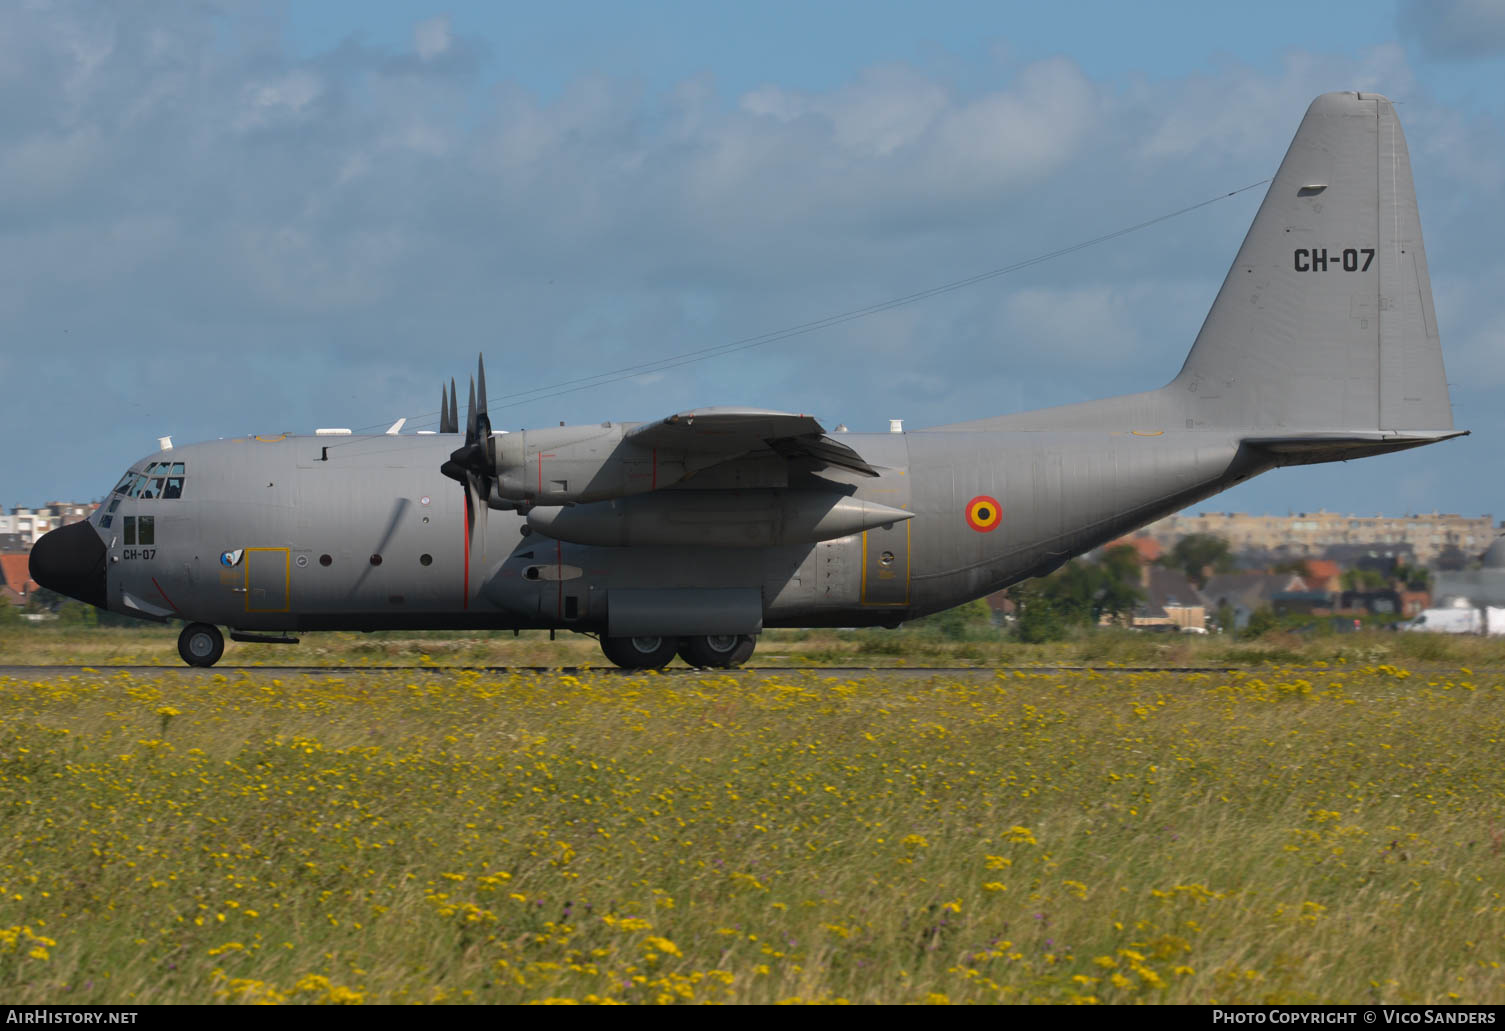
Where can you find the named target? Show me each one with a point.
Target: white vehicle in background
(1494, 621)
(1459, 618)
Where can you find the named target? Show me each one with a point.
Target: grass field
(913, 645)
(1330, 832)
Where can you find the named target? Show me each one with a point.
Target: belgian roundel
(983, 513)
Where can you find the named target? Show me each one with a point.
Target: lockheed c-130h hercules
(692, 534)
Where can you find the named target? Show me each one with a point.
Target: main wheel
(640, 652)
(201, 644)
(718, 651)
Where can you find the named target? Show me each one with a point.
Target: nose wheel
(201, 644)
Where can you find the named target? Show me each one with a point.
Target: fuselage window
(174, 488)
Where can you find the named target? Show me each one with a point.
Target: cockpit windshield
(151, 481)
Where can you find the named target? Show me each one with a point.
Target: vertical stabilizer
(1325, 321)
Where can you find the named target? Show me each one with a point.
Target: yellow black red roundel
(983, 513)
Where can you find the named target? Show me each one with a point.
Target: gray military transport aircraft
(693, 533)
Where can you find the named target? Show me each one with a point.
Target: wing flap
(730, 432)
(722, 430)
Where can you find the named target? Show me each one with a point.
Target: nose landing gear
(201, 644)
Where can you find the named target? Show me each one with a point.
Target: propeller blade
(470, 416)
(483, 421)
(454, 410)
(478, 520)
(443, 409)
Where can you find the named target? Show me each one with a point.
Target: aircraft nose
(71, 561)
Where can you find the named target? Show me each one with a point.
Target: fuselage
(278, 532)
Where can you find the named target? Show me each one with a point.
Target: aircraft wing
(729, 432)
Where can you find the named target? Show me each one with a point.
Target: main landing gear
(201, 644)
(716, 651)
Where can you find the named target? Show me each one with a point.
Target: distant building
(1246, 593)
(1474, 587)
(25, 525)
(1147, 548)
(15, 576)
(1312, 534)
(1170, 600)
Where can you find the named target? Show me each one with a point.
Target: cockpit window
(158, 480)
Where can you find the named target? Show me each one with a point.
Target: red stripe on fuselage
(164, 595)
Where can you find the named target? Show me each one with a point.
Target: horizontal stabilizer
(1340, 446)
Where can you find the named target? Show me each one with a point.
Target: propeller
(473, 465)
(449, 421)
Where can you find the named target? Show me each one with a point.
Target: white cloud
(432, 37)
(1455, 29)
(279, 100)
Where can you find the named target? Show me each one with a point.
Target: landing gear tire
(718, 651)
(201, 644)
(640, 652)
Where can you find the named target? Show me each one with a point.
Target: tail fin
(1325, 322)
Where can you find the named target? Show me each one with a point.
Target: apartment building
(1312, 533)
(27, 524)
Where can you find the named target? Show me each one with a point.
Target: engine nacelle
(725, 519)
(572, 464)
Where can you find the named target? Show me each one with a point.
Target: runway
(673, 671)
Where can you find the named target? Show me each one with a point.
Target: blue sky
(227, 218)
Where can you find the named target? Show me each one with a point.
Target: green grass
(1329, 833)
(917, 644)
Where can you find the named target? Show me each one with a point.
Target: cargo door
(268, 574)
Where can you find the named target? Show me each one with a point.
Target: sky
(224, 218)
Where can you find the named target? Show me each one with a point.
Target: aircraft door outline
(265, 567)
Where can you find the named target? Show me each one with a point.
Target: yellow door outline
(287, 578)
(889, 604)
